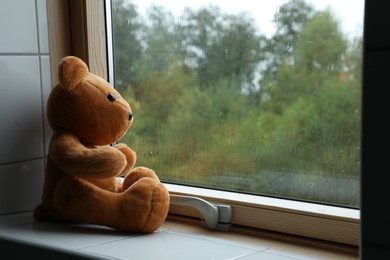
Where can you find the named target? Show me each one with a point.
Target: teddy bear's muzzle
(130, 116)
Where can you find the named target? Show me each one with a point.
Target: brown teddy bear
(87, 115)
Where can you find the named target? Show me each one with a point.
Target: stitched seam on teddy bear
(154, 196)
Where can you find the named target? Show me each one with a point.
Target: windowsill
(177, 238)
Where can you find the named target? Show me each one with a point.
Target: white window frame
(328, 226)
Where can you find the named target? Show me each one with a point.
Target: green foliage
(201, 120)
(220, 46)
(127, 47)
(160, 43)
(321, 53)
(289, 20)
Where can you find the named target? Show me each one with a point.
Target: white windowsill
(175, 240)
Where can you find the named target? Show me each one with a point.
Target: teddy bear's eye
(111, 97)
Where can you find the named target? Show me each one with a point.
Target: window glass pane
(260, 97)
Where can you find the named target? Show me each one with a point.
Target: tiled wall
(25, 84)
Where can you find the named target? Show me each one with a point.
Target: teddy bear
(88, 117)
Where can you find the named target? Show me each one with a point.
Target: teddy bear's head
(87, 105)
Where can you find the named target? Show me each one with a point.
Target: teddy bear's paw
(131, 157)
(146, 204)
(136, 174)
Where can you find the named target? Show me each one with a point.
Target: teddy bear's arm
(74, 158)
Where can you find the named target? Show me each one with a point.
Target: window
(263, 117)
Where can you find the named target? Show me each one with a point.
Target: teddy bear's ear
(71, 71)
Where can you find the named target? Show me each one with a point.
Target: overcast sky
(349, 12)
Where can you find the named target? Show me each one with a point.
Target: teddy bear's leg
(136, 174)
(141, 208)
(78, 200)
(150, 199)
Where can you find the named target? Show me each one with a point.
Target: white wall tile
(43, 27)
(16, 219)
(18, 28)
(24, 91)
(46, 88)
(21, 135)
(21, 186)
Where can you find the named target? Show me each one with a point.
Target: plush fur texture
(87, 115)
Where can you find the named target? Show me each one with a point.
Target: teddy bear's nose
(130, 116)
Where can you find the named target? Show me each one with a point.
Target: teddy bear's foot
(40, 214)
(136, 174)
(143, 207)
(146, 205)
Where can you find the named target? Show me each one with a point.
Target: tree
(314, 61)
(289, 20)
(321, 45)
(237, 52)
(219, 46)
(127, 47)
(160, 43)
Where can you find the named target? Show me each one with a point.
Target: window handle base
(214, 216)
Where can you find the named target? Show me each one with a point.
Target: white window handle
(215, 216)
